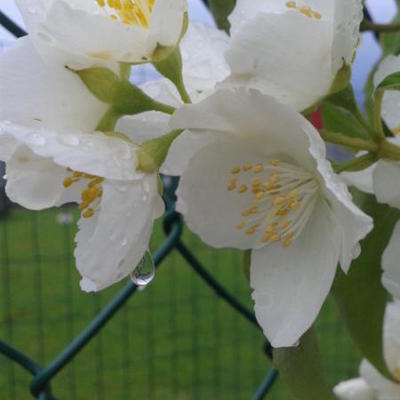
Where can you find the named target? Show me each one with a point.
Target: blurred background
(173, 340)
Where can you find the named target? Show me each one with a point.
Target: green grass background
(174, 340)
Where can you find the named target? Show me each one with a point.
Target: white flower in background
(383, 178)
(257, 179)
(54, 156)
(102, 30)
(372, 385)
(390, 264)
(292, 50)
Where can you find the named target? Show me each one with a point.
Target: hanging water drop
(145, 271)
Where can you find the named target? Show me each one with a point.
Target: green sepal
(124, 97)
(342, 79)
(101, 82)
(391, 82)
(301, 369)
(153, 152)
(359, 295)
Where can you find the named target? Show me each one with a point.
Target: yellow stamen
(235, 170)
(243, 189)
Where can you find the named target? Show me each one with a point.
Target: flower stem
(371, 26)
(356, 164)
(389, 151)
(378, 131)
(164, 108)
(353, 143)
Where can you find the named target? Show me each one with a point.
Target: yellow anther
(259, 195)
(275, 236)
(255, 182)
(83, 205)
(284, 223)
(293, 204)
(316, 15)
(306, 10)
(88, 213)
(77, 174)
(258, 168)
(67, 182)
(243, 189)
(101, 3)
(281, 212)
(396, 373)
(252, 230)
(274, 178)
(291, 4)
(266, 237)
(269, 229)
(253, 210)
(247, 167)
(293, 193)
(240, 225)
(274, 162)
(245, 213)
(231, 186)
(269, 186)
(279, 200)
(235, 170)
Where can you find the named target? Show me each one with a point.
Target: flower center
(130, 12)
(305, 10)
(91, 192)
(282, 198)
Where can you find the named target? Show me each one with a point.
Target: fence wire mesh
(179, 338)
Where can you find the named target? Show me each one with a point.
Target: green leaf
(360, 296)
(221, 10)
(302, 370)
(391, 82)
(338, 119)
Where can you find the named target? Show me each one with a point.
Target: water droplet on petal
(145, 271)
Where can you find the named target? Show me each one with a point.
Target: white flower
(257, 178)
(99, 30)
(383, 177)
(372, 385)
(204, 67)
(390, 263)
(54, 156)
(292, 50)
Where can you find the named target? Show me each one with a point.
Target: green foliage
(221, 10)
(360, 296)
(302, 370)
(390, 41)
(340, 113)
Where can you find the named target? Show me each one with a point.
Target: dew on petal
(145, 271)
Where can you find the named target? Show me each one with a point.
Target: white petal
(262, 56)
(32, 93)
(391, 265)
(354, 389)
(210, 210)
(93, 153)
(183, 148)
(346, 35)
(204, 64)
(248, 114)
(386, 178)
(114, 240)
(391, 99)
(391, 337)
(8, 146)
(33, 11)
(166, 22)
(384, 389)
(291, 284)
(362, 180)
(33, 182)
